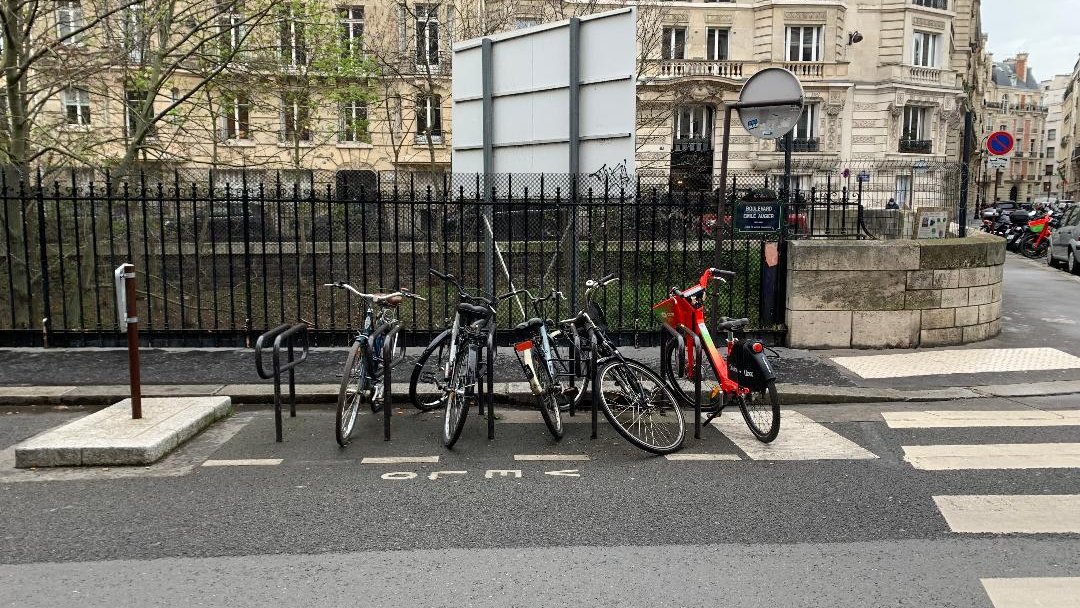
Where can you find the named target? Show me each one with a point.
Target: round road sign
(1000, 143)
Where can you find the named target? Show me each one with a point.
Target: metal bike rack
(680, 348)
(282, 335)
(388, 368)
(489, 374)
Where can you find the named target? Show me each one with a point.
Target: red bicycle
(742, 374)
(1035, 243)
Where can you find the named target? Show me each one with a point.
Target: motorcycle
(1017, 227)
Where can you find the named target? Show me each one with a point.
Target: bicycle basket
(665, 312)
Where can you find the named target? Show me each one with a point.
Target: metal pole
(574, 137)
(131, 293)
(488, 127)
(965, 176)
(997, 184)
(722, 202)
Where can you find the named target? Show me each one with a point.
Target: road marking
(1043, 592)
(564, 473)
(963, 419)
(244, 462)
(551, 457)
(701, 457)
(1011, 514)
(993, 456)
(968, 361)
(399, 459)
(800, 438)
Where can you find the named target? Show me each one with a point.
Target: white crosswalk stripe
(1040, 592)
(1011, 514)
(993, 456)
(971, 419)
(800, 438)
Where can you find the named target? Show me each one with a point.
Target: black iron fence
(223, 257)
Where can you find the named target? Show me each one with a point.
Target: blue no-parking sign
(1000, 143)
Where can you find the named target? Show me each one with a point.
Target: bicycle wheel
(569, 376)
(1030, 250)
(427, 385)
(354, 385)
(549, 404)
(640, 406)
(680, 380)
(459, 393)
(761, 411)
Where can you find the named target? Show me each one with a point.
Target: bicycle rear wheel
(549, 404)
(640, 406)
(459, 394)
(679, 377)
(351, 393)
(761, 411)
(428, 383)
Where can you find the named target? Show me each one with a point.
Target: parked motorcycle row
(1031, 231)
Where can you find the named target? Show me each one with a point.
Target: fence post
(43, 260)
(247, 258)
(965, 173)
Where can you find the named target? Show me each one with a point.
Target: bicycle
(543, 351)
(364, 364)
(446, 373)
(634, 399)
(742, 374)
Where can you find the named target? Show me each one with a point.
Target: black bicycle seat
(726, 324)
(527, 325)
(473, 310)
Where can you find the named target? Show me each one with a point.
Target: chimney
(1021, 67)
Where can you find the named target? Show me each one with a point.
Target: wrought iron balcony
(800, 144)
(916, 146)
(692, 144)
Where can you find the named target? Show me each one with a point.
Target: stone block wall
(894, 294)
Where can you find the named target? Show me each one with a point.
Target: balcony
(916, 146)
(925, 75)
(682, 68)
(738, 70)
(809, 69)
(692, 144)
(800, 144)
(938, 4)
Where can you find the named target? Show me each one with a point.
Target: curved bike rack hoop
(680, 348)
(388, 367)
(282, 335)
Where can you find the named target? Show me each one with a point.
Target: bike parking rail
(282, 335)
(388, 367)
(680, 348)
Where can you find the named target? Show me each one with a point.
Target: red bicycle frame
(687, 309)
(1039, 228)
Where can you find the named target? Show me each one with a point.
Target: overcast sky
(1047, 29)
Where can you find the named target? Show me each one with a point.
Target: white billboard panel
(534, 98)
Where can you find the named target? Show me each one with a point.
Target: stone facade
(894, 294)
(1068, 158)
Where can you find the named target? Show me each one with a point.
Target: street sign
(997, 162)
(758, 217)
(864, 176)
(1000, 143)
(766, 121)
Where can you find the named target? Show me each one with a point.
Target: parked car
(1064, 245)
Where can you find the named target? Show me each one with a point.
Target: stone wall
(894, 294)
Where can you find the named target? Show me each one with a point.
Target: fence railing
(223, 263)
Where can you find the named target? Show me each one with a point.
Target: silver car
(1064, 245)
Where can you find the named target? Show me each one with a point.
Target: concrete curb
(508, 393)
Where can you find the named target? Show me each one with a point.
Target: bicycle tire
(348, 408)
(546, 400)
(683, 386)
(427, 387)
(764, 422)
(569, 376)
(459, 394)
(1030, 250)
(623, 383)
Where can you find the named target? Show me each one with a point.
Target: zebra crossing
(1038, 514)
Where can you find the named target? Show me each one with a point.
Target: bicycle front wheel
(351, 393)
(427, 386)
(640, 406)
(458, 394)
(761, 411)
(682, 382)
(549, 404)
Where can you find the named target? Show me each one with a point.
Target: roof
(1005, 72)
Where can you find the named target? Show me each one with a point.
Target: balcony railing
(916, 146)
(806, 69)
(938, 4)
(692, 144)
(800, 144)
(680, 68)
(928, 75)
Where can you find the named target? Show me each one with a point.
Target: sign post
(127, 316)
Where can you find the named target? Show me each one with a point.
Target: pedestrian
(892, 204)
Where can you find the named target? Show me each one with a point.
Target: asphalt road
(620, 529)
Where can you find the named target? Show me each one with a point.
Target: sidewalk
(98, 376)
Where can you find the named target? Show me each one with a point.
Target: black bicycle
(365, 362)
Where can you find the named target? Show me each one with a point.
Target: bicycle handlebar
(405, 293)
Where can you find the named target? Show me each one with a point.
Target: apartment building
(1013, 102)
(1069, 148)
(885, 80)
(1054, 98)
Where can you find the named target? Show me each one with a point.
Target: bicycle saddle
(389, 299)
(527, 325)
(726, 323)
(473, 310)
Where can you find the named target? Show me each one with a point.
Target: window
(1050, 152)
(77, 106)
(804, 43)
(939, 4)
(925, 49)
(914, 123)
(806, 128)
(236, 124)
(295, 125)
(1050, 170)
(293, 48)
(693, 128)
(429, 117)
(69, 19)
(900, 193)
(717, 39)
(134, 32)
(674, 43)
(352, 31)
(1051, 134)
(354, 122)
(427, 34)
(136, 108)
(231, 26)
